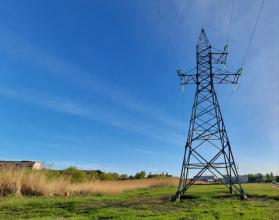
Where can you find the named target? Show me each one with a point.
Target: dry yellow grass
(119, 186)
(27, 182)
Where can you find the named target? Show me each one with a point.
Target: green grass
(204, 202)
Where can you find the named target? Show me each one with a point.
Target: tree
(140, 175)
(123, 177)
(271, 177)
(267, 178)
(251, 178)
(259, 177)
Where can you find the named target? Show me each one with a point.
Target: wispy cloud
(83, 166)
(17, 48)
(63, 105)
(40, 98)
(68, 72)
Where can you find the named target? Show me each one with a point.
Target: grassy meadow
(146, 201)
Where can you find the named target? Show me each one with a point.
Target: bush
(109, 176)
(93, 175)
(75, 175)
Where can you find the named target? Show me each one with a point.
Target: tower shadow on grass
(249, 197)
(184, 197)
(263, 197)
(227, 196)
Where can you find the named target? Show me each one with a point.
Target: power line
(253, 33)
(230, 22)
(176, 61)
(220, 18)
(169, 38)
(247, 50)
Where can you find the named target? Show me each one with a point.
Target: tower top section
(210, 66)
(203, 41)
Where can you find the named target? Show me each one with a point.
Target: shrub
(75, 175)
(109, 176)
(93, 175)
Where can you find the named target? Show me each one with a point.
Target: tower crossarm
(218, 56)
(219, 77)
(187, 78)
(225, 77)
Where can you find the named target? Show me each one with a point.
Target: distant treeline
(260, 178)
(76, 175)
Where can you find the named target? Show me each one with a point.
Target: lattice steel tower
(207, 149)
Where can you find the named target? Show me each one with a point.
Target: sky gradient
(93, 83)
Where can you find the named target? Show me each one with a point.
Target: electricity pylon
(207, 148)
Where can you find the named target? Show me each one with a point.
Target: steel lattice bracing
(207, 148)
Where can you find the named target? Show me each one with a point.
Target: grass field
(204, 202)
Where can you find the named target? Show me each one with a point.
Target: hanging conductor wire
(169, 38)
(246, 51)
(230, 22)
(161, 16)
(253, 33)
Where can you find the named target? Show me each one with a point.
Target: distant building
(22, 164)
(207, 178)
(242, 179)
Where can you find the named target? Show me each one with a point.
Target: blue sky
(93, 83)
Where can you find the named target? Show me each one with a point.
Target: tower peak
(203, 40)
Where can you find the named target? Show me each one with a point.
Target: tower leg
(184, 173)
(230, 179)
(177, 196)
(231, 190)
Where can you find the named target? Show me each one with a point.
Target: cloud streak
(22, 50)
(58, 104)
